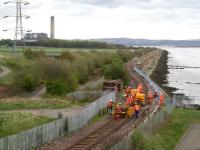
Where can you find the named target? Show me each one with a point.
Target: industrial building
(35, 36)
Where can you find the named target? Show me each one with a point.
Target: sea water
(187, 81)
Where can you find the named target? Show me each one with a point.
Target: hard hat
(119, 103)
(110, 100)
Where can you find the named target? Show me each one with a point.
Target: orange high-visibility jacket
(118, 109)
(150, 96)
(137, 108)
(161, 99)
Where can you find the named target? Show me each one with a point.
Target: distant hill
(146, 42)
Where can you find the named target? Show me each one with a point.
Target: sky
(89, 19)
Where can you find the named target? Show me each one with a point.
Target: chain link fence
(187, 101)
(151, 122)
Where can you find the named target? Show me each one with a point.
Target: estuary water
(187, 81)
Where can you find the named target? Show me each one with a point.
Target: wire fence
(187, 101)
(80, 119)
(150, 124)
(35, 137)
(89, 95)
(147, 127)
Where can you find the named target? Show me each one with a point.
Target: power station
(52, 28)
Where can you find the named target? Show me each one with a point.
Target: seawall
(159, 75)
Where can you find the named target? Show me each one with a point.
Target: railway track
(90, 141)
(96, 137)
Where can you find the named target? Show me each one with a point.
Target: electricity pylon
(19, 31)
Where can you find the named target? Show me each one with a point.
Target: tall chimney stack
(52, 32)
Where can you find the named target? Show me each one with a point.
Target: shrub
(56, 87)
(25, 79)
(17, 63)
(82, 71)
(28, 83)
(56, 70)
(28, 53)
(125, 55)
(67, 56)
(115, 70)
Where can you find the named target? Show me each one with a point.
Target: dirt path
(52, 113)
(148, 61)
(92, 84)
(5, 71)
(190, 140)
(37, 94)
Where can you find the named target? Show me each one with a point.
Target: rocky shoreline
(159, 75)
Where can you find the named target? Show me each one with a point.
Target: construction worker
(136, 109)
(128, 90)
(128, 101)
(149, 98)
(110, 106)
(117, 111)
(130, 112)
(139, 87)
(155, 94)
(161, 102)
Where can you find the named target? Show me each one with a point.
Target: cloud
(150, 4)
(176, 19)
(105, 3)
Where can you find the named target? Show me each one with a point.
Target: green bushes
(28, 83)
(56, 87)
(59, 76)
(25, 79)
(67, 56)
(30, 54)
(63, 75)
(116, 70)
(125, 55)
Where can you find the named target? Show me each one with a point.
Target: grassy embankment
(167, 136)
(12, 123)
(19, 104)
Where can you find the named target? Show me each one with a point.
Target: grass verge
(168, 135)
(18, 104)
(102, 113)
(12, 123)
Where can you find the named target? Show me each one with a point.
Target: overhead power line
(19, 16)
